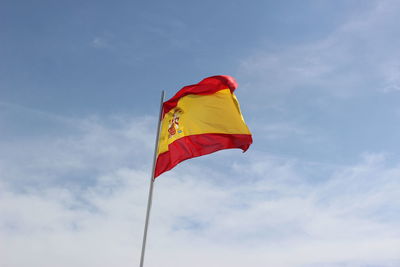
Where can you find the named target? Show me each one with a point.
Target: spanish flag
(201, 119)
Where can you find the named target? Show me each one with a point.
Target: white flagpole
(150, 199)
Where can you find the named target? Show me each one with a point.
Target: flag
(201, 119)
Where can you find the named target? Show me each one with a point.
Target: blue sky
(319, 87)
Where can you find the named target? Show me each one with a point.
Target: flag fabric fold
(201, 119)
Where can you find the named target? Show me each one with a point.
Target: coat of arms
(173, 126)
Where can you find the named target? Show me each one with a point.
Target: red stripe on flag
(197, 145)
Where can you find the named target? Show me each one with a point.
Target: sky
(319, 87)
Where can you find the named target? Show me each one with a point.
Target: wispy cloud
(255, 211)
(99, 42)
(354, 58)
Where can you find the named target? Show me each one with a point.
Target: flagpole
(150, 198)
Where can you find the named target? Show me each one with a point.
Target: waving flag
(201, 119)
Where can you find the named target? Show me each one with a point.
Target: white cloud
(359, 55)
(279, 130)
(100, 42)
(255, 210)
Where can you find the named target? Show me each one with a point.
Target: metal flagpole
(150, 199)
